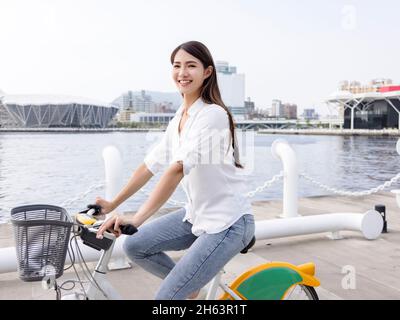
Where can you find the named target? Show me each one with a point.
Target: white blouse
(214, 187)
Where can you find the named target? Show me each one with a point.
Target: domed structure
(45, 111)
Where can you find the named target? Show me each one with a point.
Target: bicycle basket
(42, 234)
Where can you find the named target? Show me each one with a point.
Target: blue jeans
(207, 254)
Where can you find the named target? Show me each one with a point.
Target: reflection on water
(54, 167)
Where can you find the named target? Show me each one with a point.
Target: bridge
(287, 124)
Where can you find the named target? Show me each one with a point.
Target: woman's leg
(208, 254)
(166, 233)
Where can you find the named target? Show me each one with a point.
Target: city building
(289, 111)
(232, 87)
(134, 102)
(124, 115)
(373, 106)
(282, 110)
(249, 107)
(44, 111)
(152, 118)
(149, 101)
(310, 114)
(356, 87)
(276, 109)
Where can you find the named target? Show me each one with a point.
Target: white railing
(369, 223)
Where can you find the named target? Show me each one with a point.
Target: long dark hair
(210, 91)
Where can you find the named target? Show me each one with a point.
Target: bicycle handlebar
(95, 210)
(128, 229)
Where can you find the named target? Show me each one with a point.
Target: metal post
(382, 210)
(352, 118)
(113, 172)
(282, 150)
(398, 113)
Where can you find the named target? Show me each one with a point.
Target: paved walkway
(376, 263)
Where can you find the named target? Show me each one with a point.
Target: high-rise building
(283, 110)
(232, 87)
(249, 107)
(310, 114)
(134, 102)
(142, 102)
(148, 101)
(276, 108)
(289, 111)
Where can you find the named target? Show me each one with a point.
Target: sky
(295, 51)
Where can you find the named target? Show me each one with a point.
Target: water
(52, 168)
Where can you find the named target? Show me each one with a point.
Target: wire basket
(42, 234)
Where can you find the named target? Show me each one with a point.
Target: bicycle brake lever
(93, 209)
(127, 229)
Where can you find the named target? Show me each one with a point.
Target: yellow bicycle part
(272, 280)
(85, 219)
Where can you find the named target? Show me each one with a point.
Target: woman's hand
(114, 225)
(106, 206)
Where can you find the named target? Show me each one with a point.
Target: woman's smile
(185, 83)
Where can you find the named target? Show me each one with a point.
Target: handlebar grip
(128, 229)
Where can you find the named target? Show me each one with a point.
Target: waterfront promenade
(291, 131)
(334, 132)
(376, 263)
(78, 130)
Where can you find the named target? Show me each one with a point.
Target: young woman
(199, 150)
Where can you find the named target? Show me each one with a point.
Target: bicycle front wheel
(301, 292)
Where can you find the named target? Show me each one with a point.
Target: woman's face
(188, 73)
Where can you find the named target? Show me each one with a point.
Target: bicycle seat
(249, 246)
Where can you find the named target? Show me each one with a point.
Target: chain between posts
(267, 184)
(83, 195)
(387, 184)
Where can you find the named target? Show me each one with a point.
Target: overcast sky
(296, 51)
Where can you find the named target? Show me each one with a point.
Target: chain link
(83, 195)
(146, 192)
(387, 184)
(267, 184)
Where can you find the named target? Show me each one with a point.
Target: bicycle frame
(100, 288)
(217, 282)
(100, 276)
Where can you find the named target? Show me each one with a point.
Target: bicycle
(269, 281)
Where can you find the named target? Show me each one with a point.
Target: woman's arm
(163, 190)
(138, 179)
(161, 193)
